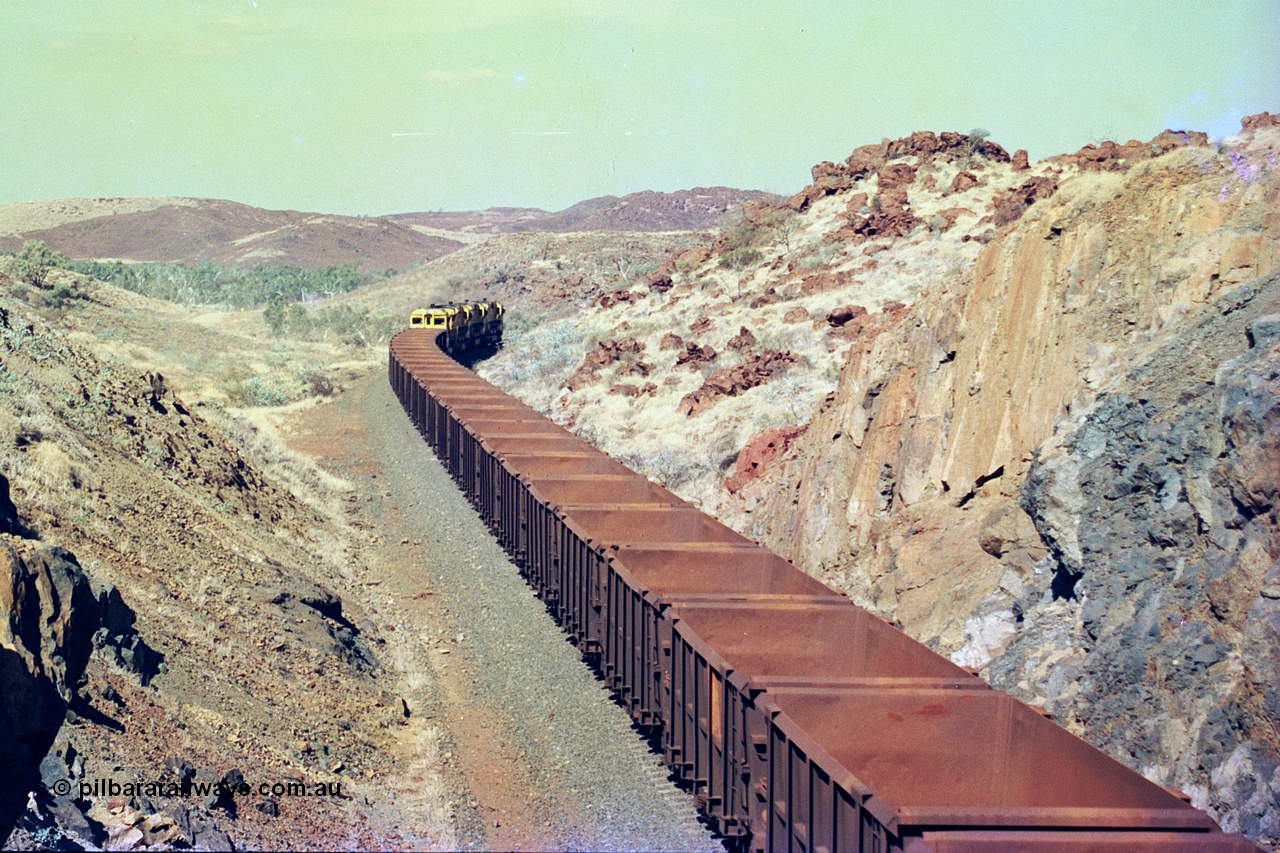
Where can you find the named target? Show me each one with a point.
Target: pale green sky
(378, 106)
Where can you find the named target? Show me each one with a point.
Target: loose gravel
(594, 781)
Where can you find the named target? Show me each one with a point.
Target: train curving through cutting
(470, 328)
(797, 720)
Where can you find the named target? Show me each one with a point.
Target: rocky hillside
(1025, 411)
(749, 333)
(682, 210)
(173, 590)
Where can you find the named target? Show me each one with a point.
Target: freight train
(798, 721)
(470, 327)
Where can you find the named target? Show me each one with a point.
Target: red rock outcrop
(821, 282)
(890, 217)
(744, 340)
(695, 354)
(845, 314)
(753, 210)
(949, 216)
(1020, 162)
(769, 297)
(964, 181)
(895, 175)
(762, 449)
(1109, 156)
(696, 256)
(605, 354)
(1259, 121)
(1009, 205)
(660, 282)
(926, 144)
(617, 297)
(733, 380)
(831, 178)
(670, 341)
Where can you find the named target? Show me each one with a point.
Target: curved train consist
(470, 327)
(798, 721)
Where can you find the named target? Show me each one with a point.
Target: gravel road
(541, 744)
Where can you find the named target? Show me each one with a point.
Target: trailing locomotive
(462, 328)
(799, 721)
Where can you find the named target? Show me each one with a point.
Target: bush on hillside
(741, 258)
(35, 262)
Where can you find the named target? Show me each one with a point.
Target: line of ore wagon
(798, 720)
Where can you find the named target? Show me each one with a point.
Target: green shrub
(739, 235)
(60, 295)
(255, 391)
(741, 258)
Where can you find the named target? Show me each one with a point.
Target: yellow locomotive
(470, 326)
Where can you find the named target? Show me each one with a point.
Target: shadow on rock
(50, 623)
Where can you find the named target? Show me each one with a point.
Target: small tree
(274, 317)
(35, 260)
(783, 224)
(976, 137)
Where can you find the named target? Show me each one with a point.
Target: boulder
(855, 204)
(701, 325)
(769, 297)
(660, 282)
(895, 175)
(921, 143)
(695, 354)
(865, 160)
(1020, 161)
(48, 615)
(744, 340)
(964, 181)
(617, 297)
(951, 214)
(827, 169)
(846, 314)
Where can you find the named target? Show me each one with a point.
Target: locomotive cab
(433, 317)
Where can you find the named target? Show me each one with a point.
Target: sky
(382, 106)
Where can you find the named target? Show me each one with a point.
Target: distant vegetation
(227, 287)
(282, 289)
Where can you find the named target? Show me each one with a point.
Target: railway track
(797, 720)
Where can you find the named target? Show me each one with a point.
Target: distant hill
(187, 230)
(684, 210)
(191, 230)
